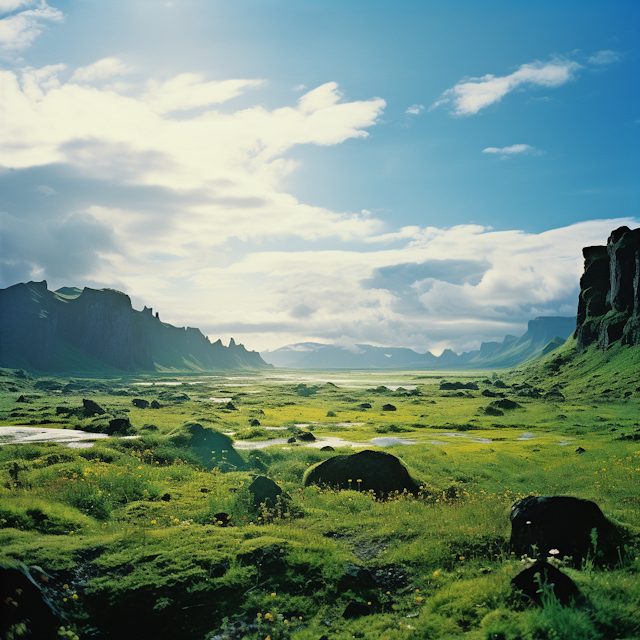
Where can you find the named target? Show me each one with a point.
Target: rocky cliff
(608, 307)
(92, 330)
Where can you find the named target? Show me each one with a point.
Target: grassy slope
(442, 559)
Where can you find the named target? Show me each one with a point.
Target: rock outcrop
(95, 330)
(609, 305)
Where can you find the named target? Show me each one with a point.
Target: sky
(417, 174)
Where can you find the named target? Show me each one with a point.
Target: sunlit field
(130, 528)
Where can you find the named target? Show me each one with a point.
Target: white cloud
(471, 95)
(415, 109)
(19, 30)
(105, 68)
(514, 149)
(604, 57)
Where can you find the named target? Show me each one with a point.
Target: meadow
(130, 532)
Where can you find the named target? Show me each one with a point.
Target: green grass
(131, 526)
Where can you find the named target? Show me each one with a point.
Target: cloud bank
(157, 190)
(20, 29)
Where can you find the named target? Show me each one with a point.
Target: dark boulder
(119, 426)
(140, 403)
(254, 423)
(92, 408)
(222, 519)
(388, 407)
(571, 527)
(454, 386)
(506, 405)
(488, 394)
(155, 404)
(498, 384)
(365, 405)
(22, 602)
(214, 449)
(377, 471)
(291, 440)
(306, 436)
(265, 492)
(356, 610)
(541, 579)
(327, 448)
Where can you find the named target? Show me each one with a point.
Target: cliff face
(99, 329)
(608, 307)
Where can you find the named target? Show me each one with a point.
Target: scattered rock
(377, 471)
(498, 384)
(306, 436)
(119, 426)
(356, 610)
(265, 492)
(222, 519)
(92, 408)
(454, 386)
(255, 423)
(580, 450)
(488, 394)
(22, 399)
(327, 448)
(365, 405)
(564, 524)
(140, 403)
(22, 601)
(506, 405)
(166, 497)
(291, 440)
(155, 404)
(388, 407)
(542, 577)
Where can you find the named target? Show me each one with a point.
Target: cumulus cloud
(604, 57)
(100, 70)
(159, 194)
(471, 95)
(19, 30)
(415, 109)
(514, 149)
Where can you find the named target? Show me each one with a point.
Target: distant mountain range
(97, 330)
(543, 335)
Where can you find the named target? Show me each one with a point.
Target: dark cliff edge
(608, 307)
(98, 330)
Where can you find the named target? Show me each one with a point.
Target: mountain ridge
(510, 352)
(98, 330)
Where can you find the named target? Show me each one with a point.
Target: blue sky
(419, 174)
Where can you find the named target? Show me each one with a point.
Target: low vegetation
(150, 537)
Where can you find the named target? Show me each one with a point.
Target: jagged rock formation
(94, 330)
(609, 306)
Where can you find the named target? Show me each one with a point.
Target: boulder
(454, 386)
(140, 403)
(118, 426)
(155, 404)
(505, 404)
(388, 407)
(265, 492)
(306, 436)
(571, 527)
(377, 471)
(543, 578)
(22, 601)
(214, 449)
(92, 408)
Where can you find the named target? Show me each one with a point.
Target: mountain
(510, 352)
(93, 330)
(609, 303)
(602, 359)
